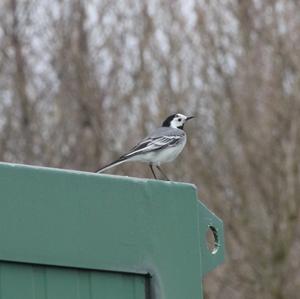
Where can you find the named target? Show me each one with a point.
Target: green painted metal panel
(101, 222)
(28, 281)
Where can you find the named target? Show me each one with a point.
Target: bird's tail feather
(112, 164)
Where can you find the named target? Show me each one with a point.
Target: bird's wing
(161, 138)
(153, 144)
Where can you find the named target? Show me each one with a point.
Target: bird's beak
(190, 117)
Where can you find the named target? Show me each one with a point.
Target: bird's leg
(164, 175)
(151, 167)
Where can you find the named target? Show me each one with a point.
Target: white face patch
(178, 121)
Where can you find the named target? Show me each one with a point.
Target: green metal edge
(85, 220)
(210, 259)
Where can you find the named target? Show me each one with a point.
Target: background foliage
(81, 81)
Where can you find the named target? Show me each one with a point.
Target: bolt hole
(212, 239)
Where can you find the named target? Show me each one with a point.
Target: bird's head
(176, 121)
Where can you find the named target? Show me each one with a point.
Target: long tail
(112, 164)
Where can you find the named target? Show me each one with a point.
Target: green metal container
(67, 234)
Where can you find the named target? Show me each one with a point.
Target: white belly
(163, 156)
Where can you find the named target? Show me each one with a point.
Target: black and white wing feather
(153, 144)
(159, 140)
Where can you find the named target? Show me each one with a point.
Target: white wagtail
(162, 146)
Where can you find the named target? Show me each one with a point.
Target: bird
(161, 146)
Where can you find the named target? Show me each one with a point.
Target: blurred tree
(81, 81)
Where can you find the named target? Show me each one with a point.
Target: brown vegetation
(82, 81)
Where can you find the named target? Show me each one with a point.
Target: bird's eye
(179, 119)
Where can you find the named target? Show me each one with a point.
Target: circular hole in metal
(212, 239)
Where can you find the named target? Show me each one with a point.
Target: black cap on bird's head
(176, 121)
